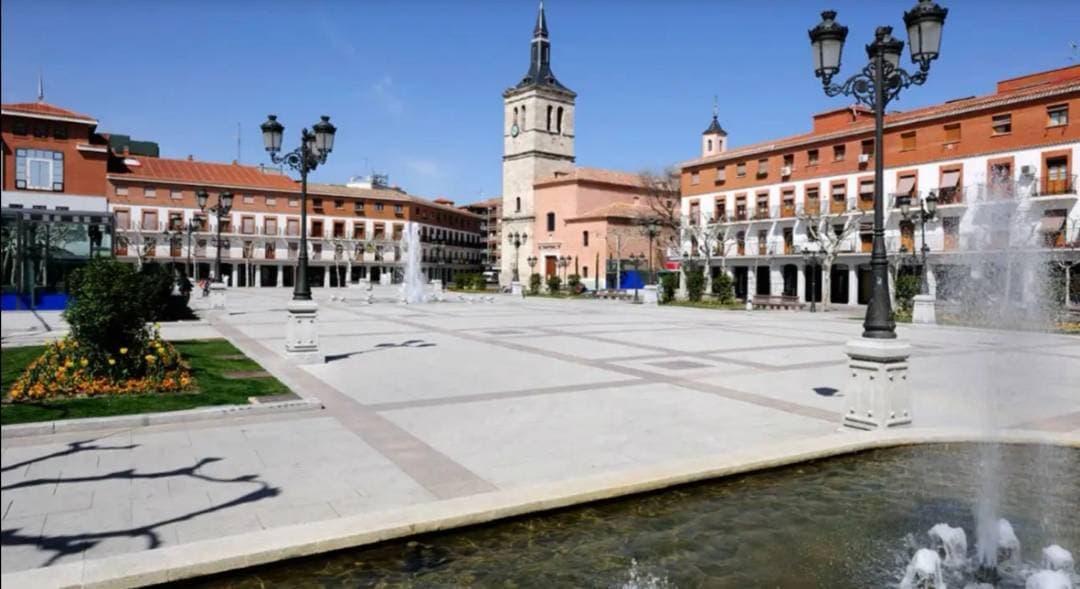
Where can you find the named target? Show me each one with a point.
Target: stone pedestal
(650, 295)
(436, 285)
(217, 296)
(517, 289)
(877, 395)
(923, 311)
(386, 279)
(301, 333)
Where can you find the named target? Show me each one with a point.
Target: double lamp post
(301, 337)
(878, 362)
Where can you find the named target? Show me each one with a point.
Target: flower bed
(68, 370)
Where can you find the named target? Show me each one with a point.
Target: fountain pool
(851, 521)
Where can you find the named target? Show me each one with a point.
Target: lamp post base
(301, 333)
(923, 310)
(877, 396)
(517, 289)
(217, 296)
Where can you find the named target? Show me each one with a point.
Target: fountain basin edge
(251, 549)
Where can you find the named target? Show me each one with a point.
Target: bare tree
(832, 232)
(1067, 257)
(140, 240)
(663, 206)
(708, 240)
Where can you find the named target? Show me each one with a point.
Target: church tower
(538, 140)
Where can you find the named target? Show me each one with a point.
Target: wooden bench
(776, 302)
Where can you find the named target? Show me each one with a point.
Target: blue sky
(415, 86)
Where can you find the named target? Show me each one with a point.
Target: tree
(1066, 259)
(708, 239)
(663, 206)
(832, 233)
(140, 241)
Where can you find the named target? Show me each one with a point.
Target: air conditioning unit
(1027, 171)
(785, 171)
(864, 157)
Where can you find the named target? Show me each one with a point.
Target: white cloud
(426, 168)
(384, 93)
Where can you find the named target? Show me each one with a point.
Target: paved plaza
(438, 402)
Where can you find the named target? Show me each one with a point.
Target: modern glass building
(41, 248)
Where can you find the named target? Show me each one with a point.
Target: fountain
(412, 288)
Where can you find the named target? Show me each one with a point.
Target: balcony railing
(837, 206)
(787, 210)
(1047, 187)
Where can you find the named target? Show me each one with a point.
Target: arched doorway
(741, 281)
(865, 284)
(790, 273)
(763, 286)
(839, 285)
(813, 283)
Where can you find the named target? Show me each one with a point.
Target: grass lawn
(207, 366)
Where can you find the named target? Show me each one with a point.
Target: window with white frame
(249, 199)
(39, 169)
(1057, 115)
(149, 192)
(176, 194)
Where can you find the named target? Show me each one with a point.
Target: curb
(207, 557)
(145, 419)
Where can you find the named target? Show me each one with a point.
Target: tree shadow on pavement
(412, 343)
(61, 545)
(73, 448)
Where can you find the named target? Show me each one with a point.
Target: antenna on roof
(40, 86)
(239, 135)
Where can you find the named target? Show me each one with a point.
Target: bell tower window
(550, 108)
(558, 121)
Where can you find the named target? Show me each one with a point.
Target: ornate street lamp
(301, 339)
(652, 230)
(926, 213)
(315, 146)
(517, 239)
(811, 258)
(220, 212)
(531, 260)
(875, 86)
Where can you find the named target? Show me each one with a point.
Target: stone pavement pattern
(432, 402)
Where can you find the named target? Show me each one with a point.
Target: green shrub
(479, 282)
(724, 288)
(534, 284)
(553, 283)
(109, 307)
(907, 286)
(668, 282)
(695, 283)
(461, 281)
(573, 282)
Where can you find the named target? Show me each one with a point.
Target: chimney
(190, 158)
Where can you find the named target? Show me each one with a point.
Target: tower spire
(40, 86)
(540, 73)
(541, 23)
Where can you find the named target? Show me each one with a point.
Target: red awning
(950, 179)
(906, 185)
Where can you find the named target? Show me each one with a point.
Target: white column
(853, 284)
(326, 276)
(232, 282)
(776, 279)
(801, 282)
(751, 284)
(280, 275)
